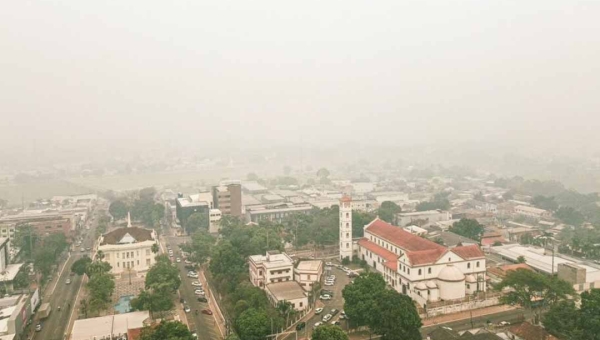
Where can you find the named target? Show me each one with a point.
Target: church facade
(422, 269)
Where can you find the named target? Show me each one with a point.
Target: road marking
(60, 274)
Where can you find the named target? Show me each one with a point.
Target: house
(307, 273)
(289, 291)
(420, 268)
(42, 223)
(127, 249)
(16, 311)
(270, 268)
(527, 331)
(197, 203)
(110, 326)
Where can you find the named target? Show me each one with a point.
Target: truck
(44, 310)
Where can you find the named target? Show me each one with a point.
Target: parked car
(325, 297)
(38, 327)
(329, 283)
(202, 299)
(68, 281)
(178, 260)
(343, 315)
(182, 300)
(207, 311)
(327, 291)
(336, 323)
(194, 335)
(187, 309)
(196, 284)
(187, 261)
(199, 292)
(333, 311)
(327, 317)
(504, 323)
(317, 324)
(352, 274)
(300, 326)
(318, 311)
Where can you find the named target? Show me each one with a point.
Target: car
(202, 299)
(300, 326)
(327, 291)
(333, 311)
(329, 283)
(207, 311)
(196, 284)
(317, 324)
(194, 335)
(325, 297)
(178, 260)
(38, 327)
(343, 315)
(199, 292)
(68, 281)
(336, 323)
(170, 254)
(329, 264)
(504, 323)
(193, 276)
(187, 309)
(187, 261)
(318, 311)
(82, 249)
(327, 317)
(352, 274)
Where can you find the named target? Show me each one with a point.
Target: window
(117, 255)
(347, 245)
(147, 252)
(138, 262)
(347, 234)
(127, 254)
(118, 265)
(449, 259)
(347, 225)
(477, 264)
(468, 265)
(408, 271)
(147, 262)
(419, 271)
(429, 270)
(137, 252)
(347, 215)
(468, 286)
(107, 256)
(301, 304)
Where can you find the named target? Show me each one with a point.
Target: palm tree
(284, 308)
(155, 248)
(100, 255)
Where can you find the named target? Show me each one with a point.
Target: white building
(307, 273)
(109, 326)
(287, 291)
(413, 229)
(422, 269)
(345, 228)
(214, 219)
(128, 248)
(270, 268)
(430, 216)
(531, 211)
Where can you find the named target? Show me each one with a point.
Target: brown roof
(468, 252)
(528, 331)
(139, 234)
(401, 238)
(424, 256)
(380, 251)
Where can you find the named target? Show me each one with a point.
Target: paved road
(204, 325)
(54, 327)
(511, 316)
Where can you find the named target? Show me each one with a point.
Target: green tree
(570, 216)
(359, 220)
(196, 222)
(521, 259)
(162, 276)
(79, 267)
(21, 280)
(329, 332)
(100, 288)
(154, 301)
(562, 320)
(167, 330)
(253, 324)
(201, 247)
(227, 265)
(97, 268)
(25, 239)
(388, 210)
(118, 210)
(233, 336)
(543, 202)
(396, 317)
(361, 298)
(533, 291)
(155, 249)
(590, 315)
(468, 228)
(147, 194)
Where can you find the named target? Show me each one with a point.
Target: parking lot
(336, 302)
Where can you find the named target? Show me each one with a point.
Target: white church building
(420, 268)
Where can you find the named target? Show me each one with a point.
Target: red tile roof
(393, 265)
(380, 251)
(488, 241)
(468, 252)
(528, 331)
(424, 256)
(401, 238)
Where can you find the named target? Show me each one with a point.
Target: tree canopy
(253, 324)
(162, 276)
(329, 332)
(396, 317)
(118, 209)
(79, 267)
(468, 228)
(388, 210)
(440, 201)
(167, 330)
(361, 298)
(565, 321)
(197, 221)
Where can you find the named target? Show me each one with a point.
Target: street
(61, 294)
(204, 325)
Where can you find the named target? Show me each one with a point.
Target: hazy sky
(79, 73)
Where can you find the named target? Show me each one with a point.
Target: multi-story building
(429, 216)
(42, 224)
(275, 213)
(346, 228)
(531, 211)
(270, 268)
(8, 271)
(307, 273)
(214, 219)
(128, 249)
(227, 197)
(419, 268)
(197, 203)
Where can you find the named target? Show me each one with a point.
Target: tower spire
(346, 227)
(128, 219)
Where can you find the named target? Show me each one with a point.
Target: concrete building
(15, 312)
(532, 212)
(419, 268)
(346, 228)
(197, 203)
(227, 197)
(43, 224)
(253, 188)
(270, 268)
(128, 249)
(110, 326)
(365, 205)
(307, 273)
(430, 216)
(8, 271)
(214, 220)
(287, 291)
(413, 229)
(275, 213)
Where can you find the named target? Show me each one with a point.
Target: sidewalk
(214, 306)
(441, 319)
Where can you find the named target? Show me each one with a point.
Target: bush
(346, 261)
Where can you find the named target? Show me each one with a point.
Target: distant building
(8, 271)
(532, 212)
(287, 291)
(253, 188)
(227, 197)
(197, 203)
(128, 249)
(43, 224)
(307, 273)
(419, 268)
(413, 229)
(275, 212)
(429, 216)
(214, 221)
(115, 326)
(270, 268)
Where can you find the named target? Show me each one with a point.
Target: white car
(187, 261)
(199, 292)
(196, 284)
(318, 324)
(178, 260)
(318, 311)
(504, 323)
(187, 309)
(68, 281)
(325, 297)
(329, 283)
(327, 317)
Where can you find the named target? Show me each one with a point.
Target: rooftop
(127, 236)
(312, 265)
(272, 260)
(400, 237)
(421, 213)
(530, 209)
(253, 186)
(87, 329)
(289, 290)
(10, 272)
